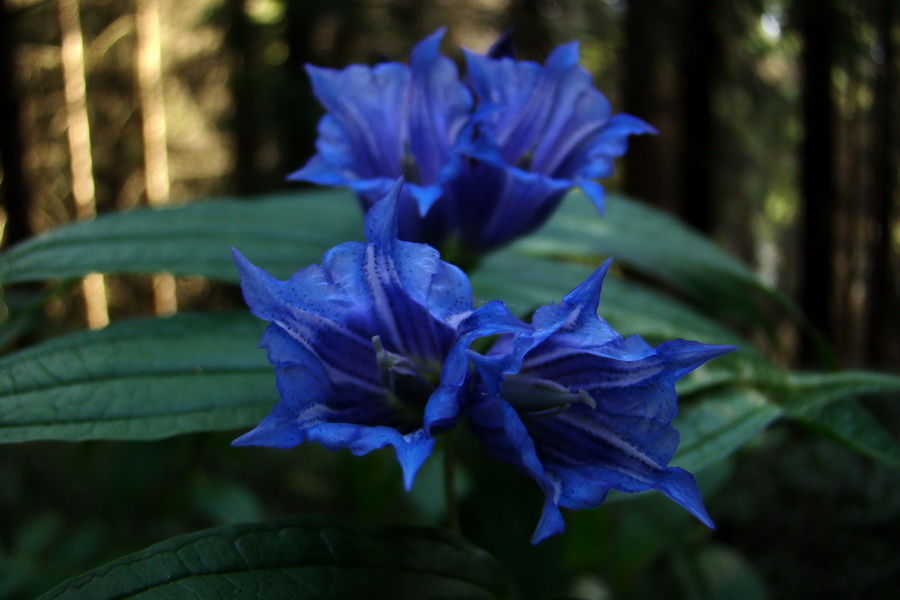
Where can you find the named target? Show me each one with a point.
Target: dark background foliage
(778, 128)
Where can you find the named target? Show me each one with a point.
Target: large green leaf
(717, 420)
(717, 424)
(851, 424)
(142, 379)
(296, 559)
(526, 282)
(281, 232)
(284, 232)
(656, 244)
(805, 394)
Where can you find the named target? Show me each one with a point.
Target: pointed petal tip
(427, 50)
(246, 439)
(594, 191)
(564, 56)
(271, 435)
(250, 275)
(503, 47)
(680, 486)
(587, 294)
(694, 353)
(381, 219)
(412, 454)
(297, 175)
(625, 124)
(246, 269)
(551, 523)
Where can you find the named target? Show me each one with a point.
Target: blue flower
(539, 132)
(369, 348)
(483, 173)
(583, 411)
(389, 121)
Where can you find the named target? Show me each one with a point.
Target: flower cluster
(486, 160)
(375, 346)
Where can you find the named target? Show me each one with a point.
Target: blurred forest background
(777, 120)
(778, 130)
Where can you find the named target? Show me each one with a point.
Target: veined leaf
(804, 394)
(527, 282)
(719, 419)
(851, 424)
(138, 380)
(718, 423)
(656, 244)
(296, 559)
(282, 233)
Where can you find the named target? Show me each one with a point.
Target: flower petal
(520, 103)
(445, 405)
(596, 408)
(439, 107)
(362, 135)
(504, 437)
(412, 449)
(331, 326)
(497, 203)
(589, 453)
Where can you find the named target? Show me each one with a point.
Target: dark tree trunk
(532, 37)
(695, 171)
(13, 188)
(883, 326)
(817, 169)
(246, 177)
(641, 56)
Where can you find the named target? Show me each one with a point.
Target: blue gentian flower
(369, 348)
(389, 121)
(489, 160)
(539, 132)
(583, 411)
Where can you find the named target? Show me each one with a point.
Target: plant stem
(450, 483)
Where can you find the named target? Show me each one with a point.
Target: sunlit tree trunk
(79, 135)
(817, 166)
(148, 63)
(13, 185)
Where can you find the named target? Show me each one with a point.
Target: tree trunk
(817, 169)
(532, 37)
(696, 155)
(14, 191)
(883, 332)
(148, 63)
(79, 135)
(244, 120)
(641, 56)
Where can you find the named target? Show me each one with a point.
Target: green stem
(450, 483)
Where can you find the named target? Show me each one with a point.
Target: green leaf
(138, 380)
(851, 424)
(718, 572)
(280, 233)
(656, 244)
(805, 394)
(527, 282)
(718, 423)
(295, 559)
(718, 419)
